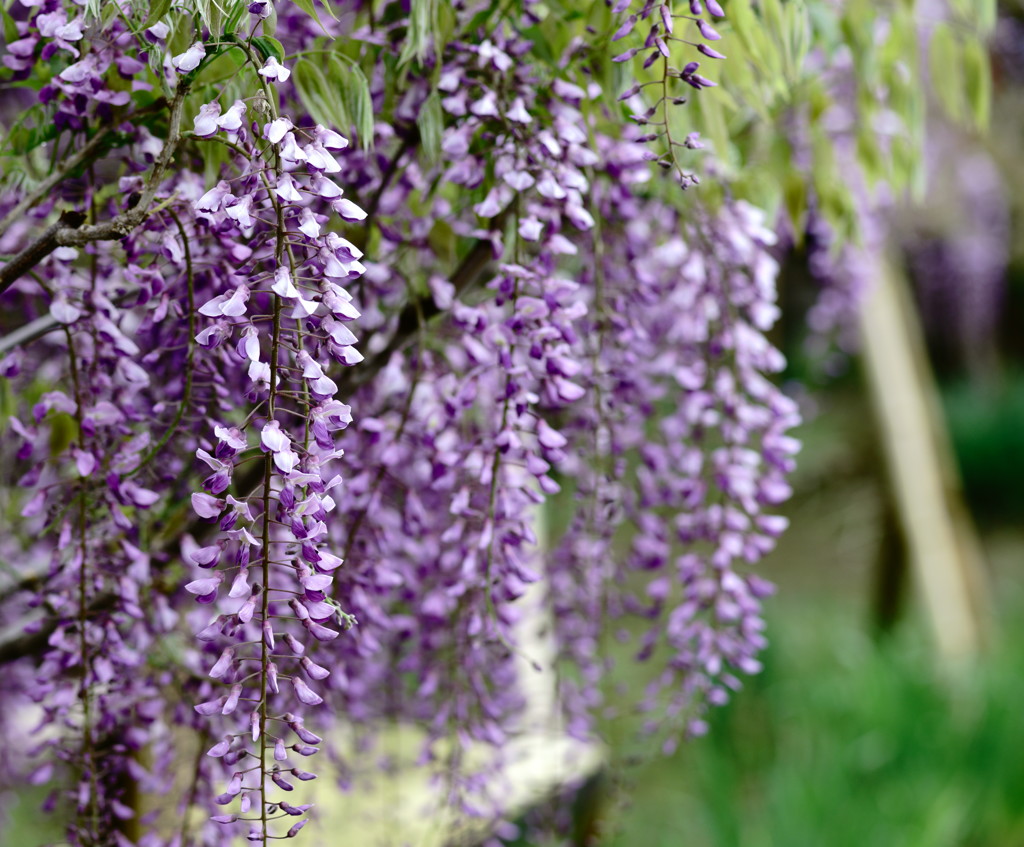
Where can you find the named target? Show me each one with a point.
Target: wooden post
(943, 547)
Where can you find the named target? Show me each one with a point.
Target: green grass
(844, 743)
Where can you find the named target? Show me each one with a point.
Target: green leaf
(797, 38)
(109, 12)
(7, 403)
(986, 12)
(23, 140)
(157, 10)
(321, 97)
(480, 18)
(446, 23)
(753, 37)
(235, 17)
(947, 70)
(442, 240)
(355, 92)
(308, 7)
(772, 14)
(870, 156)
(978, 83)
(10, 30)
(267, 47)
(430, 121)
(211, 14)
(794, 192)
(63, 431)
(337, 69)
(539, 44)
(423, 27)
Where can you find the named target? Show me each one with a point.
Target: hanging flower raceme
(282, 321)
(679, 325)
(666, 27)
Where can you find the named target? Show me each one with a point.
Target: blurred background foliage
(842, 741)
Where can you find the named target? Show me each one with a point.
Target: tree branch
(38, 249)
(86, 154)
(67, 233)
(29, 332)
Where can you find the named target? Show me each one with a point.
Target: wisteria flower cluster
(308, 319)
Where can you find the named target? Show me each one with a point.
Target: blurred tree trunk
(939, 537)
